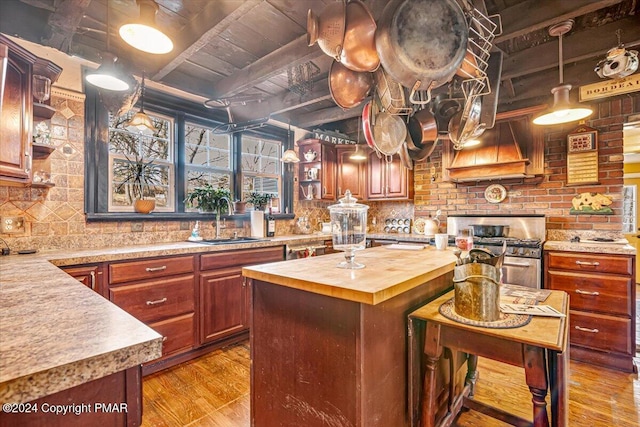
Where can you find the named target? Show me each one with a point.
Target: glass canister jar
(349, 228)
(464, 239)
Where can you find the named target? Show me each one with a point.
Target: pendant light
(140, 122)
(562, 111)
(144, 34)
(107, 75)
(358, 155)
(290, 156)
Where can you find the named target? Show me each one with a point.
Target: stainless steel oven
(524, 236)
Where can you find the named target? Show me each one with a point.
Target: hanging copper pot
(422, 126)
(359, 45)
(348, 88)
(328, 28)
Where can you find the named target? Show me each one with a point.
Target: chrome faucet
(224, 221)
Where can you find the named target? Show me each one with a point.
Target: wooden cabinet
(162, 293)
(351, 174)
(90, 275)
(18, 111)
(388, 180)
(317, 170)
(602, 292)
(224, 297)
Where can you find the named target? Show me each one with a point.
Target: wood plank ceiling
(242, 50)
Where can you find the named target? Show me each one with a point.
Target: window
(260, 166)
(207, 158)
(140, 158)
(188, 148)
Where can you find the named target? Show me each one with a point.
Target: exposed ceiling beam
(194, 39)
(64, 21)
(294, 53)
(518, 19)
(326, 115)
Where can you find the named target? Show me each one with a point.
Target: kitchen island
(329, 345)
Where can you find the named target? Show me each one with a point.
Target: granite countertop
(57, 333)
(388, 273)
(594, 247)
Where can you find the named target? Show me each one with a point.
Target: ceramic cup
(441, 241)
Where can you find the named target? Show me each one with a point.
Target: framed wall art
(582, 156)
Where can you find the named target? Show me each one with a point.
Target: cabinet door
(328, 173)
(351, 173)
(376, 182)
(88, 275)
(15, 121)
(399, 180)
(223, 304)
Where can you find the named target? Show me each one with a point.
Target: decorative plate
(418, 225)
(495, 193)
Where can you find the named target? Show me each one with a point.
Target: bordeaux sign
(608, 88)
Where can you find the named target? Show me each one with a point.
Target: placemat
(506, 321)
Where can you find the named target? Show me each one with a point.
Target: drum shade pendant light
(107, 75)
(140, 122)
(290, 156)
(562, 111)
(144, 34)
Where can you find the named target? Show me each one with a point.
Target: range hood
(513, 148)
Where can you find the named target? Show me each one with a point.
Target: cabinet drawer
(591, 292)
(150, 268)
(156, 300)
(177, 333)
(241, 257)
(589, 262)
(600, 332)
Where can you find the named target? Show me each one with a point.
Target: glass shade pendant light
(358, 155)
(562, 111)
(290, 156)
(107, 75)
(144, 34)
(140, 122)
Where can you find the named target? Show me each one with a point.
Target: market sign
(610, 88)
(332, 137)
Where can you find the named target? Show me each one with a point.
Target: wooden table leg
(558, 371)
(433, 351)
(472, 373)
(535, 370)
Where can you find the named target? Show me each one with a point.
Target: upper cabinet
(513, 148)
(317, 170)
(351, 174)
(16, 109)
(388, 180)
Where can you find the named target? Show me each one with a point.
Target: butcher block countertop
(388, 273)
(57, 333)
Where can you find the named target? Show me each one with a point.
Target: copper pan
(328, 28)
(359, 46)
(366, 125)
(469, 67)
(425, 151)
(422, 126)
(348, 88)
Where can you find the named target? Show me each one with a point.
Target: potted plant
(209, 199)
(139, 176)
(259, 200)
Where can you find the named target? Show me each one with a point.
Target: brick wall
(549, 194)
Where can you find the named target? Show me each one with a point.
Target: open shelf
(43, 111)
(41, 151)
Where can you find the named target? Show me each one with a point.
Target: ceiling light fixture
(144, 34)
(290, 156)
(140, 122)
(562, 111)
(358, 155)
(107, 75)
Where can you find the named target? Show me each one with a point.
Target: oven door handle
(515, 264)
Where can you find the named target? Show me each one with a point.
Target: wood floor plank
(213, 390)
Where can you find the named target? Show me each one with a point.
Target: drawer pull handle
(160, 301)
(580, 291)
(593, 331)
(590, 264)
(154, 269)
(164, 339)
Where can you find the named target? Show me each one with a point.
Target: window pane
(196, 178)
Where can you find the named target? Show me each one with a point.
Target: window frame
(181, 111)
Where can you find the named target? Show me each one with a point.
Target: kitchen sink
(230, 240)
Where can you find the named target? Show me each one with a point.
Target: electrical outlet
(12, 224)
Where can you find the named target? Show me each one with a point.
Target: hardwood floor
(213, 390)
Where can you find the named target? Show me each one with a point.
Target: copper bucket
(477, 291)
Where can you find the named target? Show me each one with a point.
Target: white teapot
(310, 155)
